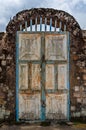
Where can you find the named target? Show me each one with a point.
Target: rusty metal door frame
(43, 97)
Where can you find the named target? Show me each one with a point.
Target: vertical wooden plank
(68, 76)
(55, 24)
(31, 25)
(23, 76)
(62, 76)
(36, 24)
(45, 24)
(20, 27)
(50, 24)
(40, 24)
(26, 26)
(50, 78)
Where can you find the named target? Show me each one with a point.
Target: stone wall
(78, 90)
(77, 60)
(7, 78)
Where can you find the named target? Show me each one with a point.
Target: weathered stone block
(0, 69)
(84, 94)
(79, 100)
(78, 78)
(77, 114)
(84, 76)
(76, 94)
(7, 113)
(84, 100)
(9, 57)
(73, 108)
(76, 88)
(83, 112)
(1, 115)
(3, 63)
(2, 57)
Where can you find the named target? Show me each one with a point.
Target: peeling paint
(43, 76)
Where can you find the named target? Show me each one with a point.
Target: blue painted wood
(50, 24)
(45, 24)
(40, 24)
(68, 84)
(30, 25)
(17, 79)
(43, 96)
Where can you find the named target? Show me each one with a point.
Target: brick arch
(26, 15)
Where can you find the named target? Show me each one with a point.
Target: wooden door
(42, 76)
(56, 76)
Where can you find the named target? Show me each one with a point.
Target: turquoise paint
(17, 80)
(68, 85)
(45, 24)
(50, 24)
(40, 24)
(29, 61)
(43, 96)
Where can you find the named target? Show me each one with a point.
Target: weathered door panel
(29, 47)
(35, 77)
(29, 106)
(50, 78)
(23, 76)
(62, 76)
(56, 106)
(55, 47)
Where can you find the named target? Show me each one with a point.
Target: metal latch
(43, 104)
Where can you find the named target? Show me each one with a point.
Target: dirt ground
(40, 127)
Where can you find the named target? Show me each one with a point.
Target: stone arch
(26, 15)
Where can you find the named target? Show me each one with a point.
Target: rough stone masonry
(77, 60)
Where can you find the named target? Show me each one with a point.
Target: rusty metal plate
(50, 78)
(56, 106)
(29, 46)
(23, 76)
(29, 106)
(55, 47)
(62, 76)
